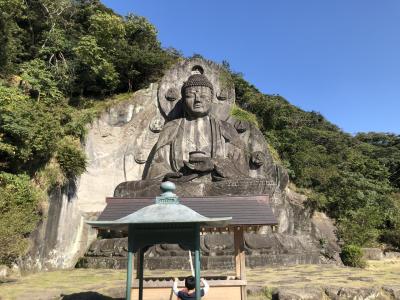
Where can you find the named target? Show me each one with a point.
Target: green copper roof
(166, 210)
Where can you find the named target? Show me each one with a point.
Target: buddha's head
(197, 93)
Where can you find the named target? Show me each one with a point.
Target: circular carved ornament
(156, 124)
(257, 158)
(172, 94)
(140, 157)
(223, 95)
(241, 126)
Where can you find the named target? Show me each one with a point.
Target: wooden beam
(141, 269)
(238, 242)
(240, 258)
(129, 266)
(137, 265)
(197, 261)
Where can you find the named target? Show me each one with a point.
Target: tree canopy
(355, 179)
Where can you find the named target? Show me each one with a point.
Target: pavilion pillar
(197, 261)
(240, 258)
(129, 266)
(141, 271)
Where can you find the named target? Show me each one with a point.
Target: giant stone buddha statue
(201, 147)
(198, 146)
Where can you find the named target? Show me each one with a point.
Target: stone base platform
(207, 262)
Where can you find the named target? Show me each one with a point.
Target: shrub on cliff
(243, 115)
(70, 156)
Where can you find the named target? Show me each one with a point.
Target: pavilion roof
(245, 210)
(166, 210)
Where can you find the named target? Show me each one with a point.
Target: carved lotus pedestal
(242, 186)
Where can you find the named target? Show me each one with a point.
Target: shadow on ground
(88, 296)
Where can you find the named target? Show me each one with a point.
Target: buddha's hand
(200, 164)
(172, 176)
(179, 177)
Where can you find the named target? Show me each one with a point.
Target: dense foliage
(355, 179)
(58, 60)
(19, 214)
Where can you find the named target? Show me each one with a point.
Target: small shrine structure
(181, 221)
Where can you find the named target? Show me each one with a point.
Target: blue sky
(338, 57)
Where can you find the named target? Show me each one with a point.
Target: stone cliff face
(115, 141)
(118, 146)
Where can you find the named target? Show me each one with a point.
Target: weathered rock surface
(118, 137)
(355, 293)
(379, 254)
(4, 272)
(334, 293)
(299, 294)
(372, 253)
(392, 291)
(392, 255)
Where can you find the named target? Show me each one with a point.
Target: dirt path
(111, 283)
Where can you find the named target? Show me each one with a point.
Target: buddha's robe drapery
(218, 139)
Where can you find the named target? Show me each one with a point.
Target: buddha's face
(197, 100)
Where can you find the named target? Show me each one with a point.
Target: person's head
(190, 283)
(197, 94)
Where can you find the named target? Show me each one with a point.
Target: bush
(244, 115)
(19, 215)
(361, 227)
(71, 158)
(352, 256)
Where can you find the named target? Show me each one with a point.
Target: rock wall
(114, 144)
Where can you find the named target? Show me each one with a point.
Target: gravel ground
(109, 284)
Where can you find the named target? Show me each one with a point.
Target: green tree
(41, 80)
(96, 74)
(22, 122)
(108, 30)
(19, 211)
(351, 178)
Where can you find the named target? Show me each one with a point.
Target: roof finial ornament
(168, 196)
(168, 186)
